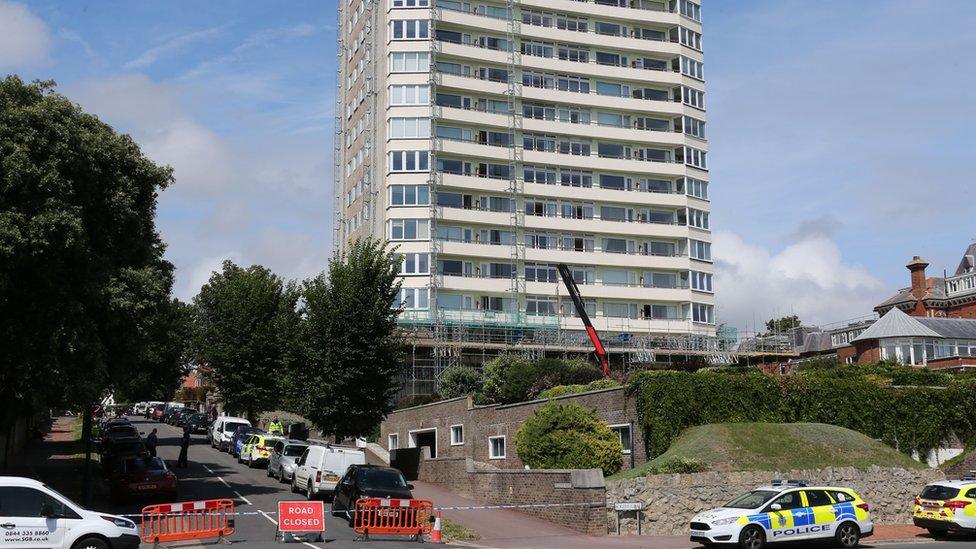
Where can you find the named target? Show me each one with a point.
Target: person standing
(151, 441)
(275, 427)
(184, 447)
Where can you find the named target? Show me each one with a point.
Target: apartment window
(409, 229)
(623, 435)
(415, 264)
(699, 250)
(409, 195)
(702, 313)
(536, 18)
(410, 61)
(457, 435)
(701, 281)
(692, 68)
(690, 10)
(541, 273)
(410, 29)
(697, 218)
(496, 447)
(541, 306)
(410, 94)
(408, 128)
(411, 3)
(570, 23)
(616, 277)
(694, 127)
(574, 53)
(589, 305)
(392, 441)
(620, 310)
(409, 161)
(573, 83)
(690, 38)
(538, 49)
(414, 299)
(575, 178)
(695, 157)
(540, 174)
(696, 188)
(612, 88)
(693, 97)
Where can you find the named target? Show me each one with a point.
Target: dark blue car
(240, 435)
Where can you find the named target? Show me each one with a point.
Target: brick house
(951, 296)
(486, 434)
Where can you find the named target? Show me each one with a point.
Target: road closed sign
(301, 516)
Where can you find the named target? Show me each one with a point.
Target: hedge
(908, 418)
(568, 436)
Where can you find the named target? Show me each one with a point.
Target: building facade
(936, 343)
(946, 296)
(491, 141)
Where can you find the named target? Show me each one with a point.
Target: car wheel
(752, 537)
(268, 472)
(308, 492)
(294, 487)
(847, 535)
(938, 532)
(90, 543)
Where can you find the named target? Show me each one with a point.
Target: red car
(143, 476)
(158, 412)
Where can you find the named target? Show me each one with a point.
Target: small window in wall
(393, 441)
(623, 433)
(496, 447)
(457, 435)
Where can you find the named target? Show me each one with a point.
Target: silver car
(281, 464)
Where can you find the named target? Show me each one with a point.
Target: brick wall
(478, 423)
(584, 490)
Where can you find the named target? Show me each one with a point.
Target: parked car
(116, 432)
(171, 415)
(150, 407)
(198, 422)
(946, 506)
(58, 522)
(257, 449)
(223, 430)
(119, 450)
(139, 408)
(368, 481)
(157, 412)
(319, 469)
(240, 435)
(142, 476)
(284, 454)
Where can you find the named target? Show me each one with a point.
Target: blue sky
(839, 133)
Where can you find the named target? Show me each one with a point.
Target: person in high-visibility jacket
(275, 427)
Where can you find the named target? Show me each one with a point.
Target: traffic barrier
(190, 520)
(399, 517)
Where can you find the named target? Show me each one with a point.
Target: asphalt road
(216, 475)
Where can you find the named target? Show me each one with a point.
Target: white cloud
(25, 40)
(808, 278)
(196, 275)
(170, 47)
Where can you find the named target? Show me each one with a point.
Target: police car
(786, 511)
(947, 506)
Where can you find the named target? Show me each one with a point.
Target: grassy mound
(775, 447)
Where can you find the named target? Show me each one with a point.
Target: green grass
(776, 447)
(453, 531)
(76, 425)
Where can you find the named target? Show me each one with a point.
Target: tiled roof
(895, 323)
(951, 328)
(968, 262)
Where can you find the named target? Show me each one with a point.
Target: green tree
(512, 378)
(352, 349)
(458, 381)
(244, 321)
(162, 363)
(84, 289)
(785, 324)
(568, 436)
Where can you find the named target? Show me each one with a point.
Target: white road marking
(247, 501)
(221, 479)
(267, 516)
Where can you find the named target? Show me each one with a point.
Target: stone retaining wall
(671, 500)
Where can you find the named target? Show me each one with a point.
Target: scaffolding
(338, 160)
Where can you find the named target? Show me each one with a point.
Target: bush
(568, 436)
(677, 465)
(512, 378)
(561, 390)
(458, 381)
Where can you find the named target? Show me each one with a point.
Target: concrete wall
(671, 500)
(580, 494)
(481, 422)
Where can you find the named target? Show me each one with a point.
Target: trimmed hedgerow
(912, 419)
(568, 436)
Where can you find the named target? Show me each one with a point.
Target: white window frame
(627, 451)
(460, 440)
(409, 94)
(405, 57)
(491, 447)
(393, 441)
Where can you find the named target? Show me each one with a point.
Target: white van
(223, 429)
(319, 469)
(35, 515)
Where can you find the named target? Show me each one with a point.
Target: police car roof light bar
(788, 482)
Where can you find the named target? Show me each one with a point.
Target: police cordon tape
(449, 508)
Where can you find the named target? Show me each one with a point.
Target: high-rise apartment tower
(492, 141)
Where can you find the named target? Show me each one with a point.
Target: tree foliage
(352, 351)
(458, 381)
(244, 323)
(512, 378)
(784, 324)
(568, 436)
(84, 288)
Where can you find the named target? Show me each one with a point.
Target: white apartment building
(493, 140)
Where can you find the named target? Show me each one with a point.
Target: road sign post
(300, 517)
(629, 507)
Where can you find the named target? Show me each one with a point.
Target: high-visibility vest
(276, 427)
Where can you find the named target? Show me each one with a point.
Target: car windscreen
(381, 478)
(751, 500)
(294, 450)
(142, 464)
(231, 427)
(935, 491)
(199, 416)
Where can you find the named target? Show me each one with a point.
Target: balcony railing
(962, 284)
(633, 94)
(574, 150)
(561, 247)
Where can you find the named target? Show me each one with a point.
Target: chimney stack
(917, 268)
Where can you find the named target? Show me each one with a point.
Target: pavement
(216, 475)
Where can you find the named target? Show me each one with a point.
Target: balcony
(960, 285)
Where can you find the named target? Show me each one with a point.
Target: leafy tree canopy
(458, 381)
(512, 378)
(568, 436)
(785, 324)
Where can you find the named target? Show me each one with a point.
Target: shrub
(568, 436)
(677, 465)
(458, 381)
(561, 390)
(512, 378)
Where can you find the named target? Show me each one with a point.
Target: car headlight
(288, 466)
(120, 522)
(725, 521)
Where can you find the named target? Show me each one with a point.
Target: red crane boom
(598, 351)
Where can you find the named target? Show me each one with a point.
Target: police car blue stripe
(762, 519)
(844, 511)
